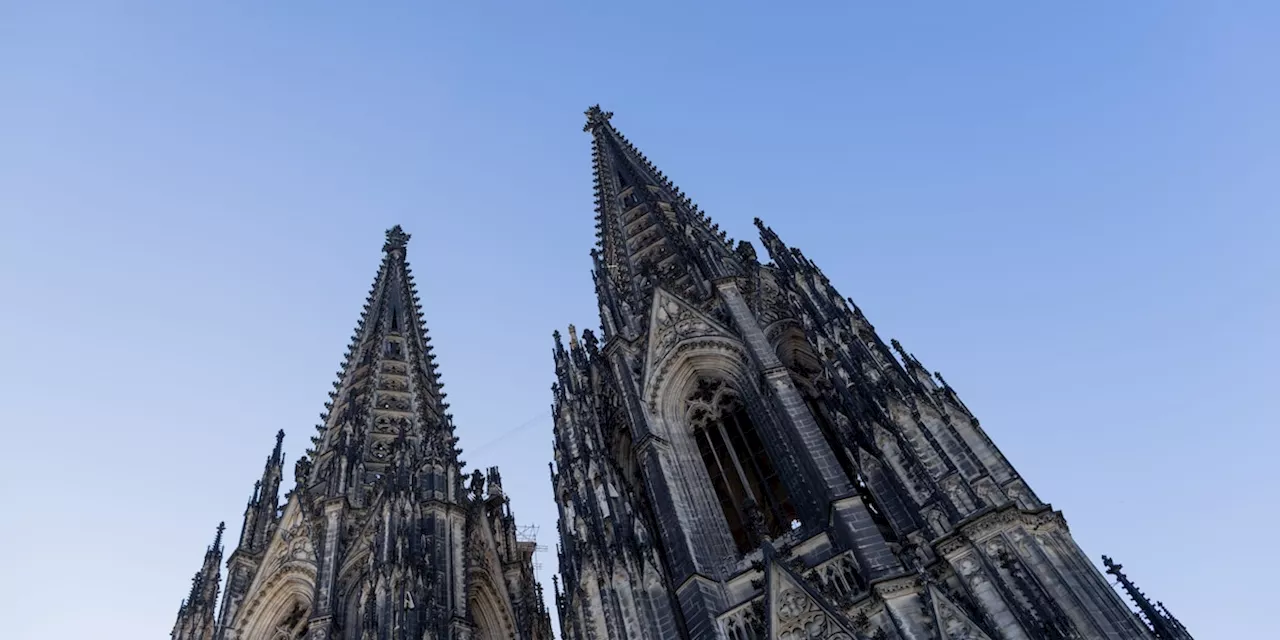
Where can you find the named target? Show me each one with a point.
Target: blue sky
(1069, 210)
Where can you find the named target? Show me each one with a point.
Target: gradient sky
(1069, 210)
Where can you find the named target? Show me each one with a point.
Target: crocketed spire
(648, 232)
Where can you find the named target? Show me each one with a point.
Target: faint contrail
(522, 425)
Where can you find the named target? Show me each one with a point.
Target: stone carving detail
(296, 546)
(744, 623)
(796, 614)
(392, 384)
(674, 322)
(774, 304)
(953, 623)
(938, 522)
(840, 577)
(989, 493)
(1018, 492)
(972, 572)
(391, 424)
(800, 618)
(393, 403)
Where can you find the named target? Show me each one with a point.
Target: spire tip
(396, 239)
(275, 453)
(596, 117)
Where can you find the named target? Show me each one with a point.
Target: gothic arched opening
(281, 610)
(490, 617)
(745, 481)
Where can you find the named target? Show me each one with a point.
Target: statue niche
(747, 485)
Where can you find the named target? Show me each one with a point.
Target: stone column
(846, 512)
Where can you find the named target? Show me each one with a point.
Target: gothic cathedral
(740, 456)
(382, 537)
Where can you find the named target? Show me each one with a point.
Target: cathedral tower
(196, 615)
(383, 536)
(739, 455)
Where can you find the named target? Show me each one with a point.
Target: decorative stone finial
(477, 485)
(596, 117)
(495, 482)
(1112, 567)
(897, 346)
(592, 344)
(396, 239)
(302, 470)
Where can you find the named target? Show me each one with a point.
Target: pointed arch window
(744, 478)
(394, 350)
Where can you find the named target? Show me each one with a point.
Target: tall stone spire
(260, 514)
(648, 233)
(734, 409)
(380, 539)
(388, 386)
(261, 520)
(196, 615)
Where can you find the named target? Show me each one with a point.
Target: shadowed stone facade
(383, 537)
(739, 455)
